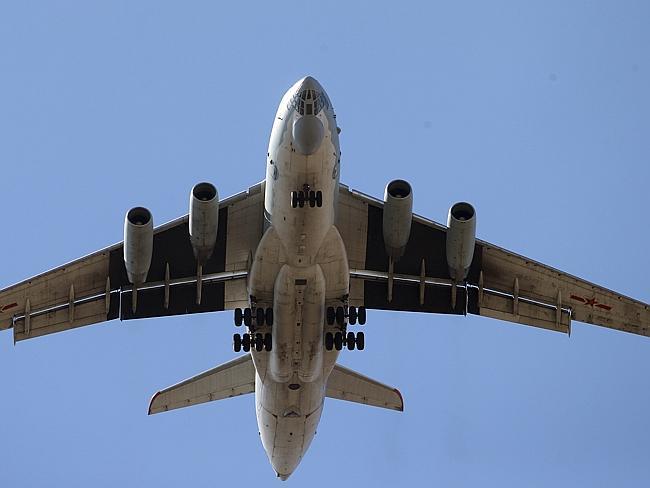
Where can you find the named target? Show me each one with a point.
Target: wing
(234, 378)
(95, 288)
(500, 284)
(346, 384)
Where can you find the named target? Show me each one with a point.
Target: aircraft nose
(310, 83)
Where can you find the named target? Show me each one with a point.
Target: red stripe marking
(8, 307)
(580, 299)
(603, 306)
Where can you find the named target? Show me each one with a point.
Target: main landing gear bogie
(254, 317)
(259, 342)
(338, 315)
(337, 340)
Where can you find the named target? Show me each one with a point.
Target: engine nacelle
(204, 220)
(461, 237)
(138, 244)
(398, 213)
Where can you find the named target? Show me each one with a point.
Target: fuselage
(300, 267)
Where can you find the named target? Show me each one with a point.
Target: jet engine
(461, 237)
(398, 213)
(138, 244)
(204, 220)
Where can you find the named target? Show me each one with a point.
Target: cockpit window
(309, 102)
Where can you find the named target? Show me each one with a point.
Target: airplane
(299, 258)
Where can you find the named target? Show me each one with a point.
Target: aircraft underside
(298, 258)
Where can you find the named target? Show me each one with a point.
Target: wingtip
(401, 400)
(155, 395)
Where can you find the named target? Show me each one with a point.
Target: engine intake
(204, 220)
(461, 237)
(398, 213)
(138, 244)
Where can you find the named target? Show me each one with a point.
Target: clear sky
(536, 112)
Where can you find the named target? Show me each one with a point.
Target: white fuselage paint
(300, 267)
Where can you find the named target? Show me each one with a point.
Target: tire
(331, 315)
(236, 339)
(301, 199)
(248, 317)
(259, 317)
(338, 341)
(340, 316)
(294, 199)
(269, 316)
(239, 316)
(312, 199)
(246, 342)
(268, 342)
(350, 341)
(329, 341)
(319, 198)
(352, 315)
(259, 342)
(361, 312)
(361, 341)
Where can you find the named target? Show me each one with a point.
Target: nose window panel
(309, 102)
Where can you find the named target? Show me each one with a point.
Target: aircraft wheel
(259, 316)
(319, 198)
(246, 342)
(361, 341)
(338, 341)
(248, 317)
(329, 341)
(236, 342)
(259, 342)
(350, 341)
(340, 316)
(331, 315)
(361, 312)
(312, 199)
(294, 199)
(268, 342)
(301, 199)
(239, 316)
(352, 315)
(269, 316)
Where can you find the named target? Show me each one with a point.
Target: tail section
(234, 378)
(345, 384)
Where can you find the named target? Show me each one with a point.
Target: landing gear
(246, 343)
(248, 317)
(331, 315)
(338, 341)
(254, 318)
(313, 198)
(239, 316)
(340, 316)
(361, 315)
(351, 340)
(257, 341)
(329, 341)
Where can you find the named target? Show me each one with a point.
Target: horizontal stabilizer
(234, 378)
(345, 384)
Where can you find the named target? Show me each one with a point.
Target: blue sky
(536, 112)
